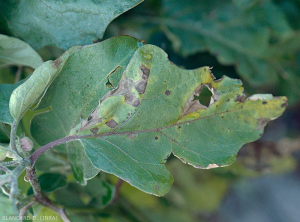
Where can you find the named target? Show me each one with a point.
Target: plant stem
(13, 134)
(13, 192)
(118, 186)
(18, 74)
(4, 169)
(25, 208)
(10, 163)
(40, 197)
(48, 146)
(5, 190)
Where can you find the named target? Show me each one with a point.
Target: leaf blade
(14, 51)
(167, 117)
(81, 86)
(62, 24)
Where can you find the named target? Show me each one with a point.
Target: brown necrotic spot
(261, 123)
(285, 104)
(94, 130)
(156, 187)
(130, 98)
(145, 70)
(131, 136)
(156, 138)
(168, 92)
(55, 64)
(264, 102)
(140, 86)
(240, 98)
(111, 123)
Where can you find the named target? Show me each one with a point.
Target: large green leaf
(61, 23)
(14, 51)
(76, 91)
(152, 113)
(131, 133)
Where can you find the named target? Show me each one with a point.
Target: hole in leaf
(108, 84)
(204, 97)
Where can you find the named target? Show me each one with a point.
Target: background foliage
(254, 40)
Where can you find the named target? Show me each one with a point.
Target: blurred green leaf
(61, 23)
(50, 182)
(5, 94)
(14, 51)
(47, 214)
(4, 133)
(97, 194)
(7, 211)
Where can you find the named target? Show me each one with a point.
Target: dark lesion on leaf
(55, 64)
(144, 70)
(285, 104)
(168, 92)
(131, 135)
(140, 85)
(191, 104)
(156, 138)
(261, 123)
(94, 130)
(111, 123)
(240, 98)
(131, 98)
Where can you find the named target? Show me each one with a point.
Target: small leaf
(5, 93)
(14, 51)
(32, 90)
(63, 24)
(50, 182)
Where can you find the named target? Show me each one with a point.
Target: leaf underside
(151, 114)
